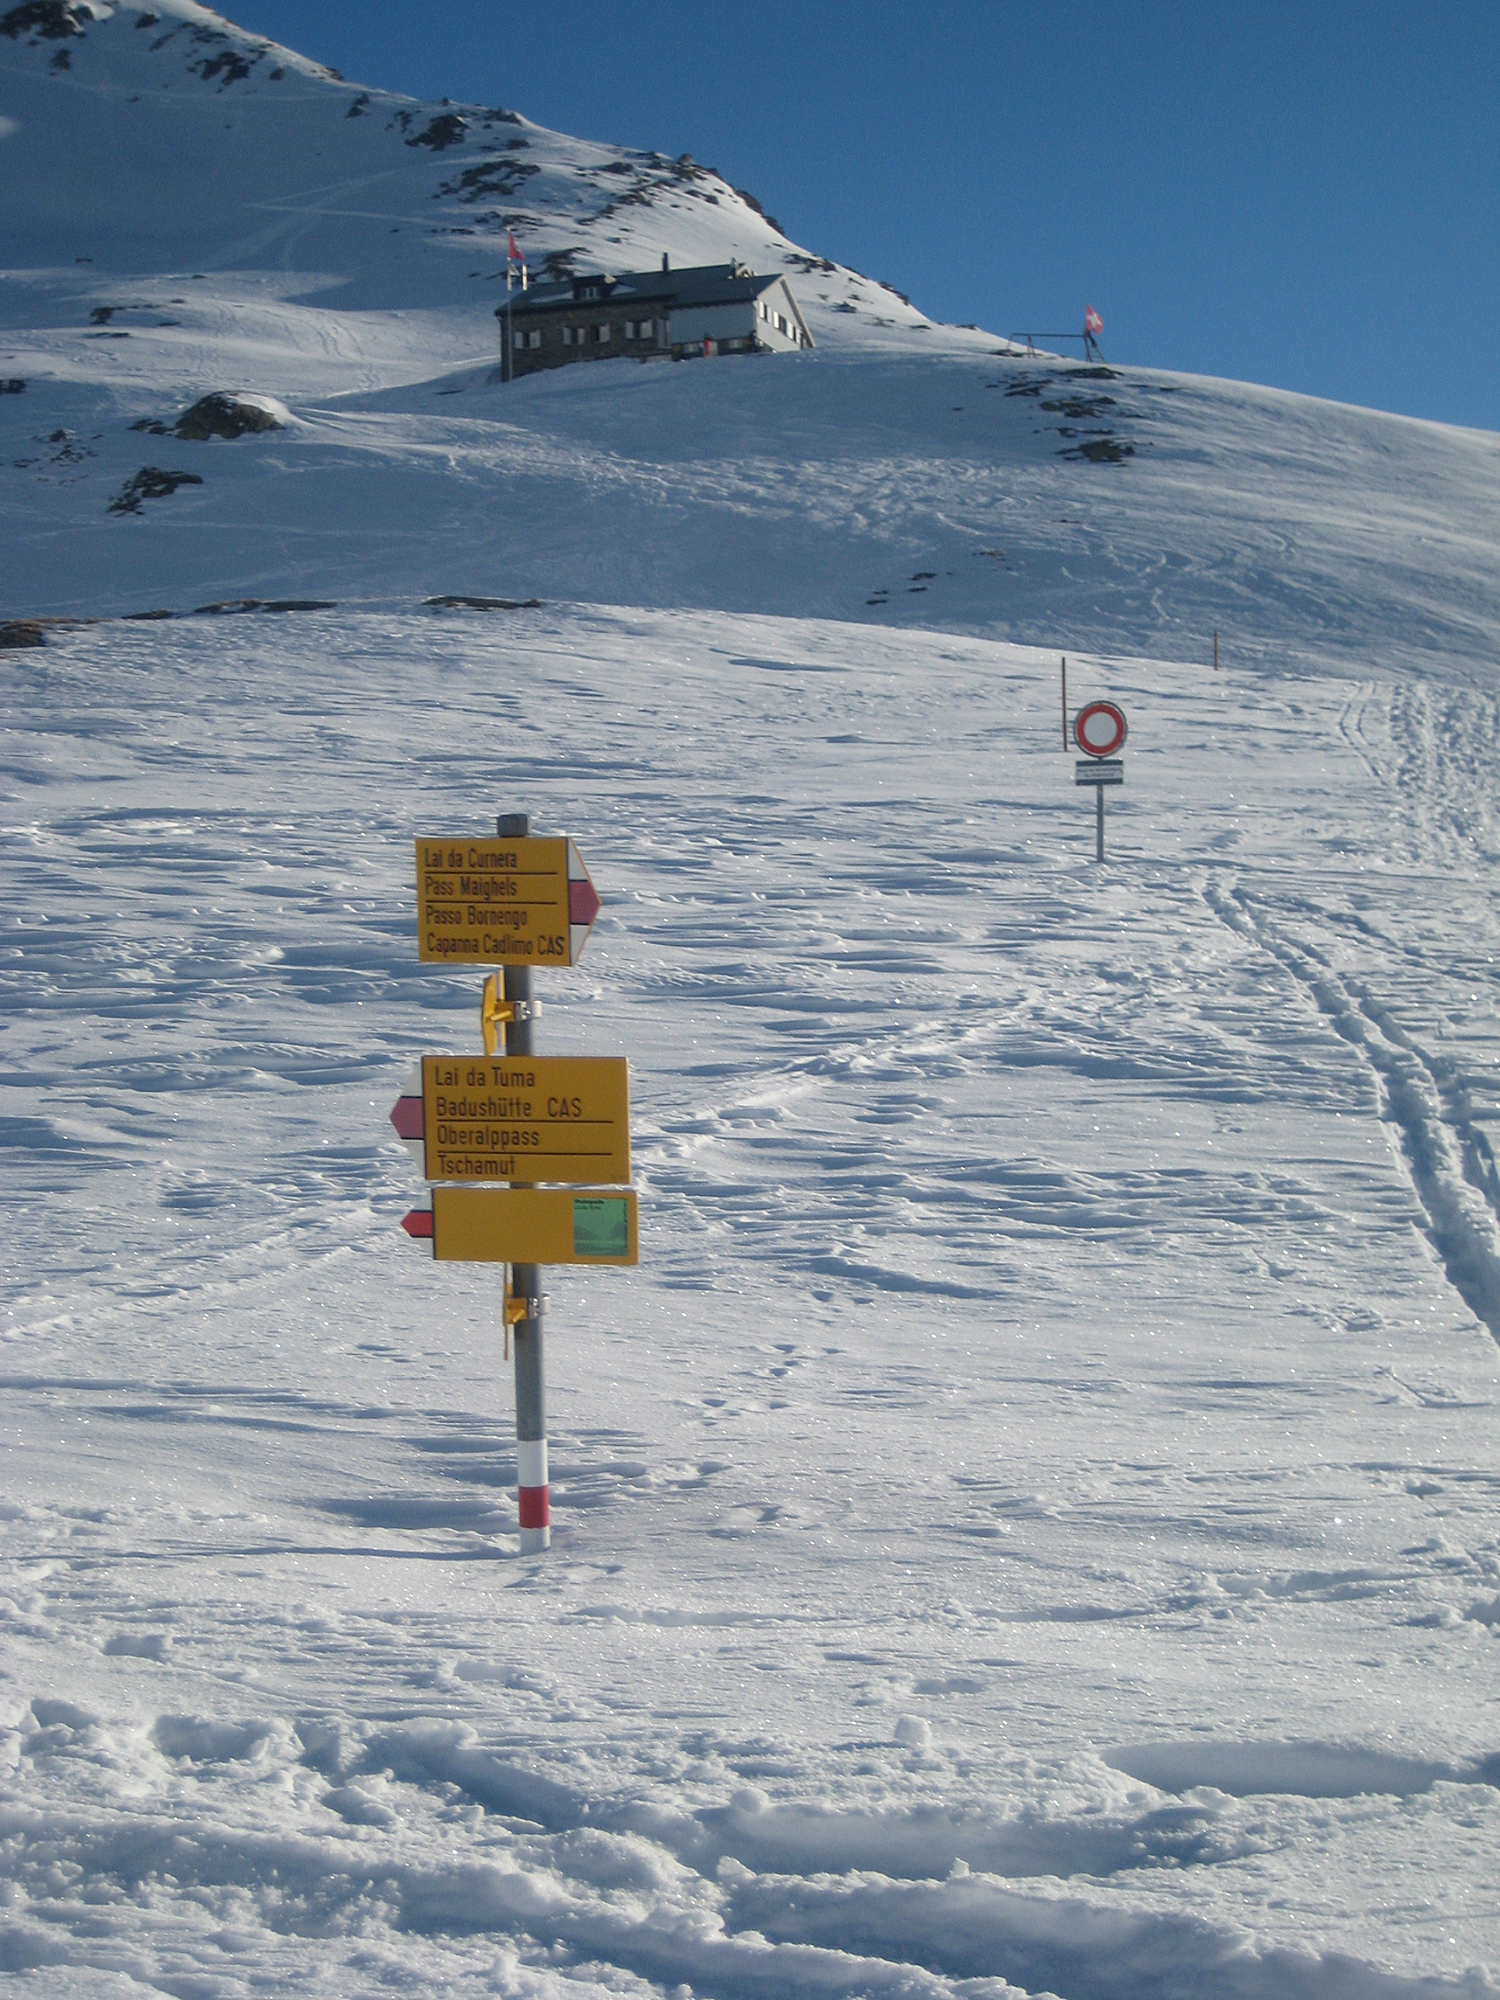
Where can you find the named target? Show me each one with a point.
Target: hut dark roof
(694, 285)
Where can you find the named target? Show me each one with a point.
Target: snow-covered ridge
(222, 50)
(153, 125)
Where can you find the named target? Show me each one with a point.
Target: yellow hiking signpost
(555, 1128)
(502, 902)
(490, 1225)
(520, 1118)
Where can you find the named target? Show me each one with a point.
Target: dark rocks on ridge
(224, 416)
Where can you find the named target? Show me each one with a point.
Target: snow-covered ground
(1030, 1523)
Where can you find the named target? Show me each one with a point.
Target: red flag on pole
(1092, 324)
(513, 255)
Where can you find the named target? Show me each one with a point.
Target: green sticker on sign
(601, 1226)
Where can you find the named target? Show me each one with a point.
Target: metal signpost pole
(531, 1406)
(493, 902)
(1098, 822)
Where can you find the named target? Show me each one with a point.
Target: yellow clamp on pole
(493, 1013)
(513, 1309)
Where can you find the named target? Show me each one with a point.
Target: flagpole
(512, 258)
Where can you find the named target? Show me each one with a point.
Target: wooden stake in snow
(1065, 700)
(1216, 652)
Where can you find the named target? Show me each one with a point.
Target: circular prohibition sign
(1100, 729)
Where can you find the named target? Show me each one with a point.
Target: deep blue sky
(1305, 195)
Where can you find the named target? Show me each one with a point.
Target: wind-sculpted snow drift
(1029, 1525)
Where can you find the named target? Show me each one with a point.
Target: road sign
(1100, 771)
(1099, 730)
(502, 901)
(520, 1118)
(483, 1225)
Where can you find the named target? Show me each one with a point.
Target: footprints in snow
(1298, 1770)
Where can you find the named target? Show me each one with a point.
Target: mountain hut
(650, 315)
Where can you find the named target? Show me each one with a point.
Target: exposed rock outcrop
(222, 415)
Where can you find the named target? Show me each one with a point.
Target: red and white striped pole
(532, 1495)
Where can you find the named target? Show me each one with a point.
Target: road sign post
(1099, 732)
(1098, 822)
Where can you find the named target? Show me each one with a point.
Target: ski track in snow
(1036, 1491)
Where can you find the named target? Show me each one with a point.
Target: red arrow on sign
(408, 1118)
(418, 1222)
(583, 904)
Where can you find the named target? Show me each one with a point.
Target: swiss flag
(1092, 323)
(512, 253)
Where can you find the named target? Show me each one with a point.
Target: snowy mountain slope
(257, 236)
(1030, 1523)
(918, 492)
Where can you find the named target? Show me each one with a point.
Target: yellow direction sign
(501, 902)
(524, 1118)
(480, 1225)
